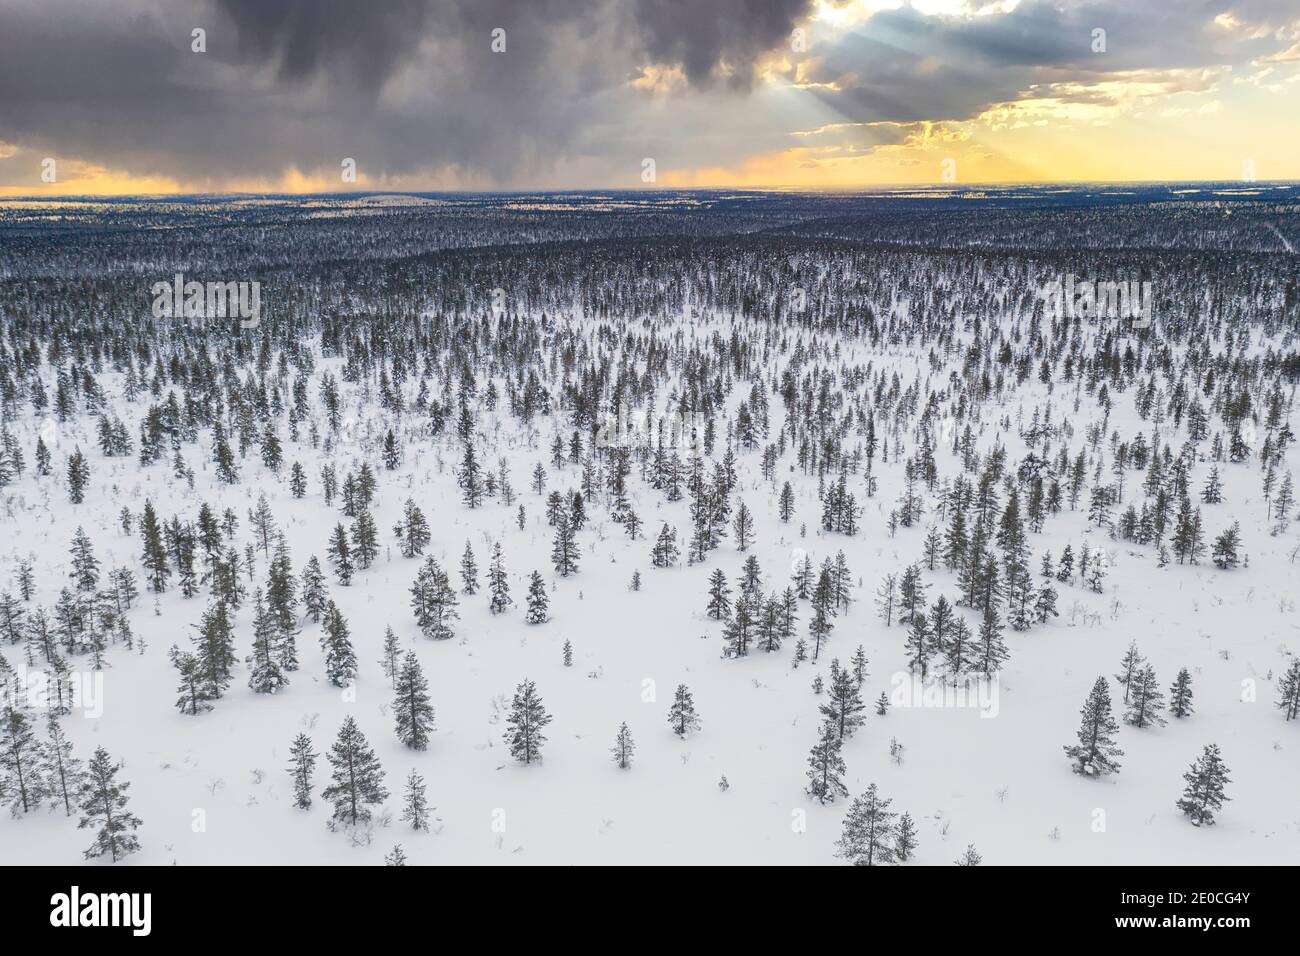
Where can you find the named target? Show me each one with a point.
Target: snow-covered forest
(692, 527)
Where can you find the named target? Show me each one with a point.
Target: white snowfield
(214, 788)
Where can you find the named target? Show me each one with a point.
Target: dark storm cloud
(701, 36)
(405, 86)
(366, 39)
(400, 85)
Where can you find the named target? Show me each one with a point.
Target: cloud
(412, 90)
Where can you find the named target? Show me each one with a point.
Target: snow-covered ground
(215, 789)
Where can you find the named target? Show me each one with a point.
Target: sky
(136, 97)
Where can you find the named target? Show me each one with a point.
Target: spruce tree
(340, 555)
(215, 650)
(1130, 668)
(433, 601)
(905, 841)
(357, 778)
(301, 768)
(538, 603)
(313, 589)
(970, 857)
(414, 713)
(1203, 796)
(22, 757)
(193, 692)
(1180, 695)
(340, 659)
(498, 583)
(155, 555)
(265, 676)
(870, 837)
(623, 747)
(524, 726)
(391, 662)
(104, 809)
(1147, 703)
(415, 803)
(843, 709)
(468, 571)
(1096, 753)
(413, 531)
(681, 715)
(63, 772)
(564, 552)
(826, 766)
(1289, 692)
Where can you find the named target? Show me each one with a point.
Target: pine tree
(340, 555)
(391, 663)
(990, 651)
(215, 649)
(1289, 698)
(301, 768)
(104, 808)
(843, 708)
(567, 653)
(63, 772)
(1180, 695)
(313, 589)
(365, 539)
(681, 715)
(905, 840)
(743, 527)
(970, 857)
(415, 719)
(1148, 702)
(537, 600)
(887, 599)
(1130, 668)
(785, 504)
(433, 601)
(358, 780)
(468, 570)
(415, 803)
(823, 609)
(78, 476)
(155, 555)
(413, 531)
(396, 856)
(194, 695)
(919, 644)
(564, 552)
(665, 552)
(1096, 753)
(498, 583)
(265, 676)
(826, 766)
(623, 747)
(340, 659)
(527, 717)
(1226, 547)
(1203, 796)
(22, 777)
(719, 607)
(870, 836)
